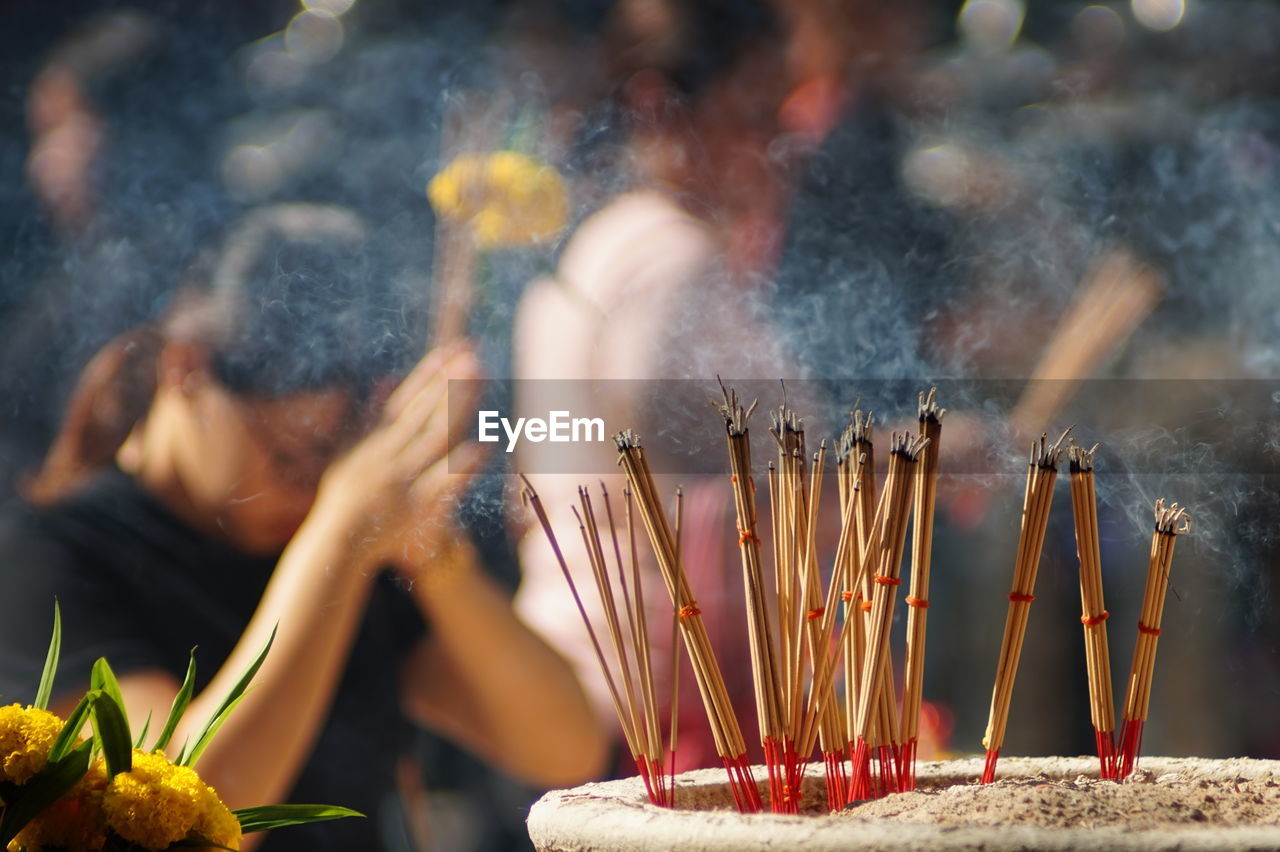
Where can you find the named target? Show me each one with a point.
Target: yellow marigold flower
(216, 822)
(507, 198)
(74, 823)
(457, 192)
(26, 735)
(156, 803)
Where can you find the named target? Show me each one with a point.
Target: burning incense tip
(735, 416)
(1080, 459)
(1172, 520)
(627, 439)
(1045, 455)
(929, 412)
(906, 444)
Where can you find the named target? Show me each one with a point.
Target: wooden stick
(930, 417)
(724, 726)
(894, 517)
(1093, 615)
(770, 712)
(530, 498)
(1170, 523)
(1042, 470)
(454, 272)
(791, 524)
(1116, 297)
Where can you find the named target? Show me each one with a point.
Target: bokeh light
(940, 174)
(991, 25)
(1098, 28)
(313, 37)
(331, 7)
(1159, 15)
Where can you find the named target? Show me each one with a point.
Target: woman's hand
(394, 490)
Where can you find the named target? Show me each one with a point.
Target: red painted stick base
(989, 770)
(746, 795)
(1130, 747)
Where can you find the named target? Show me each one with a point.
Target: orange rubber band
(1019, 597)
(815, 614)
(887, 581)
(918, 602)
(745, 536)
(846, 596)
(689, 609)
(1150, 631)
(866, 605)
(1091, 620)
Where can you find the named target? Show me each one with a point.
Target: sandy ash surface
(1143, 801)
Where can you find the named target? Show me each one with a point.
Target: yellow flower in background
(74, 823)
(157, 804)
(26, 735)
(507, 198)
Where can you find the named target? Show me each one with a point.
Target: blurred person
(241, 465)
(115, 183)
(663, 282)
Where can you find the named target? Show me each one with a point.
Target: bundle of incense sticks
(1042, 471)
(1093, 614)
(850, 465)
(636, 705)
(883, 555)
(791, 721)
(715, 697)
(855, 463)
(811, 614)
(858, 488)
(777, 734)
(1171, 522)
(930, 417)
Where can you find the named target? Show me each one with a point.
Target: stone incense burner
(1037, 803)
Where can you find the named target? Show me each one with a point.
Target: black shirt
(138, 586)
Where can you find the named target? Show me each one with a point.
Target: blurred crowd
(1071, 208)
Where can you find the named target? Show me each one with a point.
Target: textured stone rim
(615, 815)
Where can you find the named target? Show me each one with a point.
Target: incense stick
(1170, 523)
(1093, 616)
(640, 736)
(930, 417)
(893, 516)
(778, 745)
(1042, 470)
(724, 726)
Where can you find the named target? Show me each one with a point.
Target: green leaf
(142, 735)
(102, 677)
(44, 788)
(111, 730)
(179, 706)
(266, 817)
(67, 736)
(228, 703)
(207, 735)
(50, 661)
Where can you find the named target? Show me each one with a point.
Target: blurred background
(990, 191)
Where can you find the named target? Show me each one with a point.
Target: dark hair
(700, 40)
(293, 306)
(690, 43)
(290, 304)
